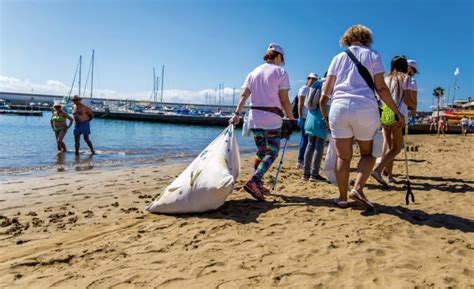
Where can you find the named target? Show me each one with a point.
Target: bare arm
(71, 120)
(89, 113)
(300, 104)
(243, 98)
(328, 88)
(412, 101)
(285, 103)
(384, 93)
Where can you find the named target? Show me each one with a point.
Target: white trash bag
(329, 168)
(207, 182)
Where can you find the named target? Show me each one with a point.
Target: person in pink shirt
(267, 86)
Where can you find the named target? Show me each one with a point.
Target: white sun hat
(57, 103)
(413, 64)
(276, 47)
(313, 75)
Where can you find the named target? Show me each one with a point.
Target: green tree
(438, 93)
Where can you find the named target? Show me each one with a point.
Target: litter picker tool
(409, 192)
(280, 164)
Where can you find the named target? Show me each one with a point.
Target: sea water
(27, 144)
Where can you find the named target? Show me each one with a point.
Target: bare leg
(396, 147)
(77, 143)
(58, 146)
(61, 143)
(344, 156)
(89, 143)
(365, 166)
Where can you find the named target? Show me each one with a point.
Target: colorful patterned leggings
(268, 145)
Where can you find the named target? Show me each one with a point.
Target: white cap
(276, 47)
(57, 103)
(313, 75)
(412, 63)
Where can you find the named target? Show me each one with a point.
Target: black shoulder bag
(365, 75)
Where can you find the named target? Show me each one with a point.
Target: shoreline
(90, 229)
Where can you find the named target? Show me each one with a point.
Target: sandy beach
(89, 230)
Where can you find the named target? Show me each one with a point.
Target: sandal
(341, 204)
(379, 178)
(356, 196)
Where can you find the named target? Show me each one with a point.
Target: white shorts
(353, 118)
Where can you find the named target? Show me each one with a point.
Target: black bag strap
(362, 70)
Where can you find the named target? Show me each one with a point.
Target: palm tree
(438, 93)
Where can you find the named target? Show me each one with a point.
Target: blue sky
(204, 43)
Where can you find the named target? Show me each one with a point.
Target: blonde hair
(357, 34)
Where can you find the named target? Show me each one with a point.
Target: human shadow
(245, 211)
(421, 218)
(450, 185)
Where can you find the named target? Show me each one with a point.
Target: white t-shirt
(265, 83)
(404, 82)
(303, 92)
(464, 121)
(349, 83)
(412, 85)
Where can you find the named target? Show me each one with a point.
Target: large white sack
(329, 168)
(205, 184)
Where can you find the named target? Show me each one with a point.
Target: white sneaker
(299, 166)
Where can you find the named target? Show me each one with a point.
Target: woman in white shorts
(354, 109)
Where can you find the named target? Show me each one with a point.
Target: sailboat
(66, 101)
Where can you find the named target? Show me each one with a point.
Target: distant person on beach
(267, 86)
(82, 116)
(354, 110)
(398, 83)
(59, 125)
(464, 125)
(315, 130)
(303, 113)
(434, 124)
(442, 126)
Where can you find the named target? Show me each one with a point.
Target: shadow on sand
(247, 211)
(450, 185)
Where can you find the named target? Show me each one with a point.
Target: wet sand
(89, 230)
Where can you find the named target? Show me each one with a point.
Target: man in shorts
(82, 117)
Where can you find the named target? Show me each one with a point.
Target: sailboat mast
(162, 79)
(92, 74)
(80, 73)
(455, 88)
(154, 85)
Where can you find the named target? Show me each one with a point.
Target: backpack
(312, 99)
(294, 107)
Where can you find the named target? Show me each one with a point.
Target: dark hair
(271, 55)
(399, 64)
(398, 70)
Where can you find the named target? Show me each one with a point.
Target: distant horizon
(226, 104)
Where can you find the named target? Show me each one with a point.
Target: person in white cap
(302, 114)
(59, 125)
(412, 87)
(267, 87)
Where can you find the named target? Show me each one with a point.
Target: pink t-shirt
(265, 83)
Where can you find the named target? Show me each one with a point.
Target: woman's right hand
(235, 119)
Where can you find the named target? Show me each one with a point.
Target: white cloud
(55, 87)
